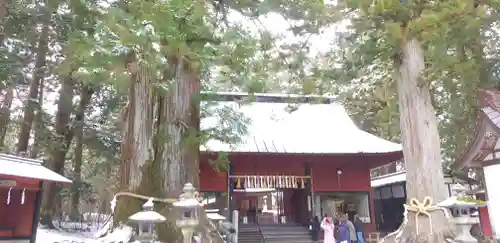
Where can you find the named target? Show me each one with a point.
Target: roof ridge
(20, 159)
(268, 97)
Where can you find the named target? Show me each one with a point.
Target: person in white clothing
(329, 229)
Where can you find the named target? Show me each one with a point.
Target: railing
(384, 170)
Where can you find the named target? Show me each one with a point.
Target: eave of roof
(487, 99)
(399, 177)
(16, 166)
(319, 125)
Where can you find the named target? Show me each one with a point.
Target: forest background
(73, 73)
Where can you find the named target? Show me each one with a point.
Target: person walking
(343, 230)
(360, 229)
(328, 228)
(352, 229)
(314, 228)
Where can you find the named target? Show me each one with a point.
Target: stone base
(463, 226)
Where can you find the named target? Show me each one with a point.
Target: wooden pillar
(36, 213)
(309, 205)
(230, 187)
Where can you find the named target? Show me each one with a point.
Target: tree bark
(39, 124)
(58, 147)
(421, 148)
(38, 75)
(160, 148)
(85, 96)
(5, 113)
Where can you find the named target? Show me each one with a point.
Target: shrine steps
(249, 234)
(289, 233)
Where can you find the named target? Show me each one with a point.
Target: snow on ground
(60, 236)
(75, 234)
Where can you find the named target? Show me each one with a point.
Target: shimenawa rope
(426, 207)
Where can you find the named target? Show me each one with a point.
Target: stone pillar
(491, 182)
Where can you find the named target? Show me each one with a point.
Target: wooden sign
(8, 183)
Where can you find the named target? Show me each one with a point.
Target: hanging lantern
(238, 183)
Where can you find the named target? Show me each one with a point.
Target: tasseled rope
(423, 208)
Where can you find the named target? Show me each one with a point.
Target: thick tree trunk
(38, 75)
(5, 114)
(182, 109)
(421, 148)
(39, 140)
(58, 147)
(137, 152)
(160, 148)
(3, 13)
(85, 96)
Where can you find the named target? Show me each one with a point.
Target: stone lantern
(461, 205)
(146, 221)
(189, 203)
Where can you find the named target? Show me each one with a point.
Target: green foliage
(460, 49)
(471, 199)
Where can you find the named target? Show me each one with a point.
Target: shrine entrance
(270, 199)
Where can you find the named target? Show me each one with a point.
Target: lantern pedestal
(463, 225)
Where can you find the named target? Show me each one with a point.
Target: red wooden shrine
(327, 170)
(355, 175)
(20, 189)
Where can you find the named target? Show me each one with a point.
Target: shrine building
(301, 156)
(483, 154)
(20, 189)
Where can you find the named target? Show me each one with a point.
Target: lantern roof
(292, 124)
(457, 202)
(147, 214)
(188, 203)
(147, 217)
(215, 216)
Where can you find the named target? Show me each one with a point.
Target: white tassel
(8, 196)
(23, 196)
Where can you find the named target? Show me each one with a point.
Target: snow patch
(60, 236)
(122, 233)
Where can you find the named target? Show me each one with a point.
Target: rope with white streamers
(8, 196)
(423, 208)
(23, 196)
